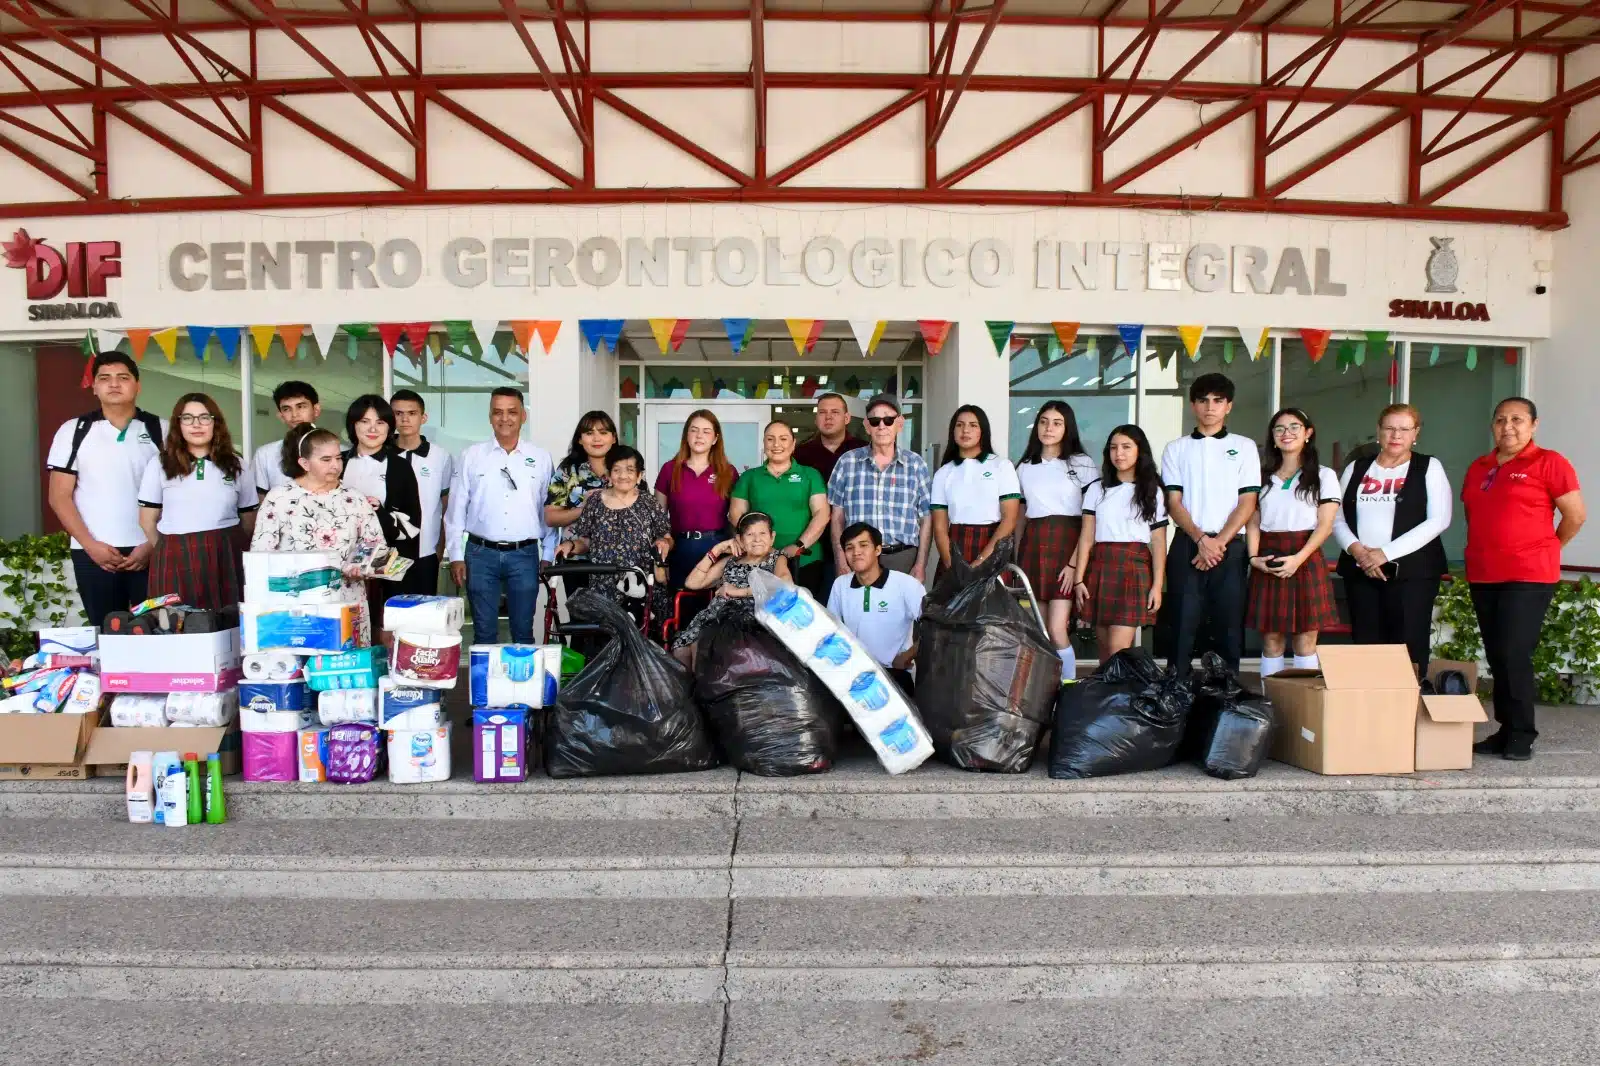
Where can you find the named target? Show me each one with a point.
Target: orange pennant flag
(663, 329)
(934, 331)
(547, 328)
(1316, 342)
(804, 332)
(523, 329)
(290, 336)
(138, 339)
(262, 336)
(1067, 334)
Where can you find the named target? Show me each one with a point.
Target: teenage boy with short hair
(1211, 477)
(880, 606)
(297, 404)
(433, 467)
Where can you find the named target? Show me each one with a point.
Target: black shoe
(1519, 750)
(1491, 745)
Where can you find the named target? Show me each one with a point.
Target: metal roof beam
(47, 168)
(516, 17)
(991, 18)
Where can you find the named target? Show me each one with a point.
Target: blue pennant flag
(1130, 338)
(598, 331)
(228, 337)
(738, 330)
(199, 337)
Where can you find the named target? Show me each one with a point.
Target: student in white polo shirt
(297, 404)
(96, 461)
(433, 466)
(1211, 478)
(975, 496)
(880, 606)
(192, 499)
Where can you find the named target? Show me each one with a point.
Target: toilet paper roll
(307, 629)
(138, 711)
(338, 706)
(272, 666)
(270, 756)
(418, 755)
(203, 708)
(404, 706)
(289, 578)
(427, 659)
(514, 675)
(411, 613)
(276, 707)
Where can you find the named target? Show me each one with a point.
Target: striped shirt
(895, 499)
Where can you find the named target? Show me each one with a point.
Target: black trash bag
(1229, 732)
(629, 711)
(770, 714)
(987, 676)
(1126, 717)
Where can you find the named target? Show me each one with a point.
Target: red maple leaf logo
(21, 250)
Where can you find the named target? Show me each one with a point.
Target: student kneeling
(877, 604)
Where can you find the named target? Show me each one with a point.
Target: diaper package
(272, 666)
(85, 694)
(276, 707)
(203, 708)
(309, 629)
(270, 756)
(514, 675)
(340, 705)
(418, 755)
(352, 755)
(134, 711)
(406, 706)
(832, 652)
(427, 659)
(353, 669)
(499, 744)
(313, 754)
(440, 615)
(288, 579)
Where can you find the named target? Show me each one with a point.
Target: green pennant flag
(1472, 358)
(1433, 356)
(461, 336)
(1000, 333)
(1361, 353)
(1091, 345)
(1377, 338)
(1227, 349)
(357, 329)
(1347, 354)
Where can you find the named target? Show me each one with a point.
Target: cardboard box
(1358, 715)
(45, 747)
(110, 746)
(1445, 723)
(179, 662)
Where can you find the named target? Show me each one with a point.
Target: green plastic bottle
(191, 770)
(216, 807)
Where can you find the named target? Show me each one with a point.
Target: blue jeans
(488, 573)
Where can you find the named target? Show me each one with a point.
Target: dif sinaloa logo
(79, 272)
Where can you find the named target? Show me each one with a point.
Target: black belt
(698, 534)
(895, 549)
(501, 545)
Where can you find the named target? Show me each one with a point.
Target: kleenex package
(406, 706)
(514, 675)
(276, 707)
(308, 629)
(351, 669)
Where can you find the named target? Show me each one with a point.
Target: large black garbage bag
(1125, 717)
(630, 711)
(1230, 728)
(770, 714)
(987, 676)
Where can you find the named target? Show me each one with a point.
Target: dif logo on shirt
(81, 272)
(1390, 486)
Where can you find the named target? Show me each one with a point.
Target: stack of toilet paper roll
(424, 660)
(271, 716)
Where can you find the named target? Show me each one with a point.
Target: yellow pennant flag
(804, 332)
(662, 328)
(1191, 337)
(167, 341)
(262, 336)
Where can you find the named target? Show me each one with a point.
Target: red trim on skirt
(1047, 545)
(1121, 574)
(967, 542)
(202, 568)
(1303, 603)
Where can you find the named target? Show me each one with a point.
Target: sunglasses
(882, 420)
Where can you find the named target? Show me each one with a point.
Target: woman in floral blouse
(582, 472)
(314, 512)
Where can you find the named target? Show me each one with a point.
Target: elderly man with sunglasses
(494, 525)
(887, 487)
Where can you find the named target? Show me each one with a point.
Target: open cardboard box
(174, 662)
(110, 746)
(47, 747)
(1358, 715)
(1444, 723)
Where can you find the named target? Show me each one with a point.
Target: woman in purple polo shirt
(693, 489)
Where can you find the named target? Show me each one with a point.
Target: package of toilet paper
(203, 708)
(130, 710)
(272, 666)
(289, 579)
(276, 707)
(353, 669)
(427, 659)
(310, 629)
(313, 754)
(514, 675)
(418, 755)
(406, 706)
(499, 744)
(270, 756)
(411, 613)
(339, 705)
(352, 754)
(833, 653)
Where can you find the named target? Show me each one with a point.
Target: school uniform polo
(1284, 510)
(1054, 488)
(881, 615)
(787, 498)
(433, 466)
(267, 465)
(1117, 519)
(109, 467)
(201, 500)
(1212, 473)
(970, 491)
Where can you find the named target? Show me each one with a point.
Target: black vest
(1410, 511)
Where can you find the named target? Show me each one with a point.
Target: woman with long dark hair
(975, 495)
(1291, 596)
(1054, 474)
(582, 471)
(193, 498)
(693, 489)
(376, 468)
(1122, 554)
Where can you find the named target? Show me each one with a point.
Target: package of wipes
(340, 705)
(514, 675)
(411, 613)
(288, 579)
(833, 653)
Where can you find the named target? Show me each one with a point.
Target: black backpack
(152, 425)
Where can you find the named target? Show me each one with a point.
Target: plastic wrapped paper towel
(270, 756)
(203, 708)
(833, 653)
(514, 675)
(340, 705)
(426, 659)
(440, 615)
(130, 711)
(286, 579)
(418, 755)
(308, 629)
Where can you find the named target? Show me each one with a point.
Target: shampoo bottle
(140, 790)
(172, 793)
(216, 808)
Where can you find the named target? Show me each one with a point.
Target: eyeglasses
(196, 420)
(1287, 429)
(882, 420)
(509, 479)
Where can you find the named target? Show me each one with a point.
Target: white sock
(1069, 663)
(1307, 662)
(1270, 666)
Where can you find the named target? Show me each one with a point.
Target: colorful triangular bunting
(290, 336)
(167, 341)
(417, 340)
(598, 331)
(1000, 334)
(1316, 342)
(546, 330)
(139, 339)
(738, 331)
(1066, 333)
(261, 337)
(1131, 334)
(662, 329)
(1191, 337)
(323, 333)
(390, 332)
(522, 330)
(934, 333)
(228, 338)
(868, 332)
(1255, 340)
(804, 332)
(484, 330)
(199, 338)
(108, 340)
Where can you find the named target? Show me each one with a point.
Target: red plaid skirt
(967, 542)
(203, 568)
(1120, 576)
(1300, 604)
(1047, 546)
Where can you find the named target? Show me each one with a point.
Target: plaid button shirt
(894, 499)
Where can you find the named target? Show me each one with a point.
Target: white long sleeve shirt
(1375, 509)
(497, 495)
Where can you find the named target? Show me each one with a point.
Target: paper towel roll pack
(427, 659)
(404, 706)
(270, 756)
(273, 666)
(353, 669)
(412, 613)
(340, 705)
(131, 711)
(418, 755)
(514, 675)
(499, 744)
(288, 579)
(203, 708)
(352, 756)
(313, 754)
(309, 629)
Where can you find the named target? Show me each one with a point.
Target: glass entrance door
(742, 424)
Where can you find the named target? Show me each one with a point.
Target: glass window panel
(19, 436)
(1169, 372)
(1095, 379)
(456, 388)
(1343, 401)
(748, 381)
(352, 367)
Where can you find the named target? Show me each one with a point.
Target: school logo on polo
(794, 477)
(81, 271)
(528, 460)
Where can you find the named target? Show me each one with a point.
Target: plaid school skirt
(1047, 546)
(1121, 574)
(1300, 604)
(967, 542)
(203, 568)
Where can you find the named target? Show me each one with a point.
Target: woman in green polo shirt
(796, 498)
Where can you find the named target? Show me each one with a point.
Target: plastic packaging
(270, 756)
(264, 666)
(413, 613)
(210, 709)
(312, 629)
(1229, 729)
(313, 760)
(770, 714)
(354, 669)
(85, 695)
(276, 707)
(172, 798)
(130, 710)
(500, 744)
(216, 805)
(514, 675)
(877, 706)
(427, 659)
(404, 706)
(987, 675)
(1125, 717)
(418, 755)
(69, 640)
(353, 751)
(289, 578)
(341, 705)
(196, 794)
(631, 710)
(140, 787)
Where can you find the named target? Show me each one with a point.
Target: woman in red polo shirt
(1514, 561)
